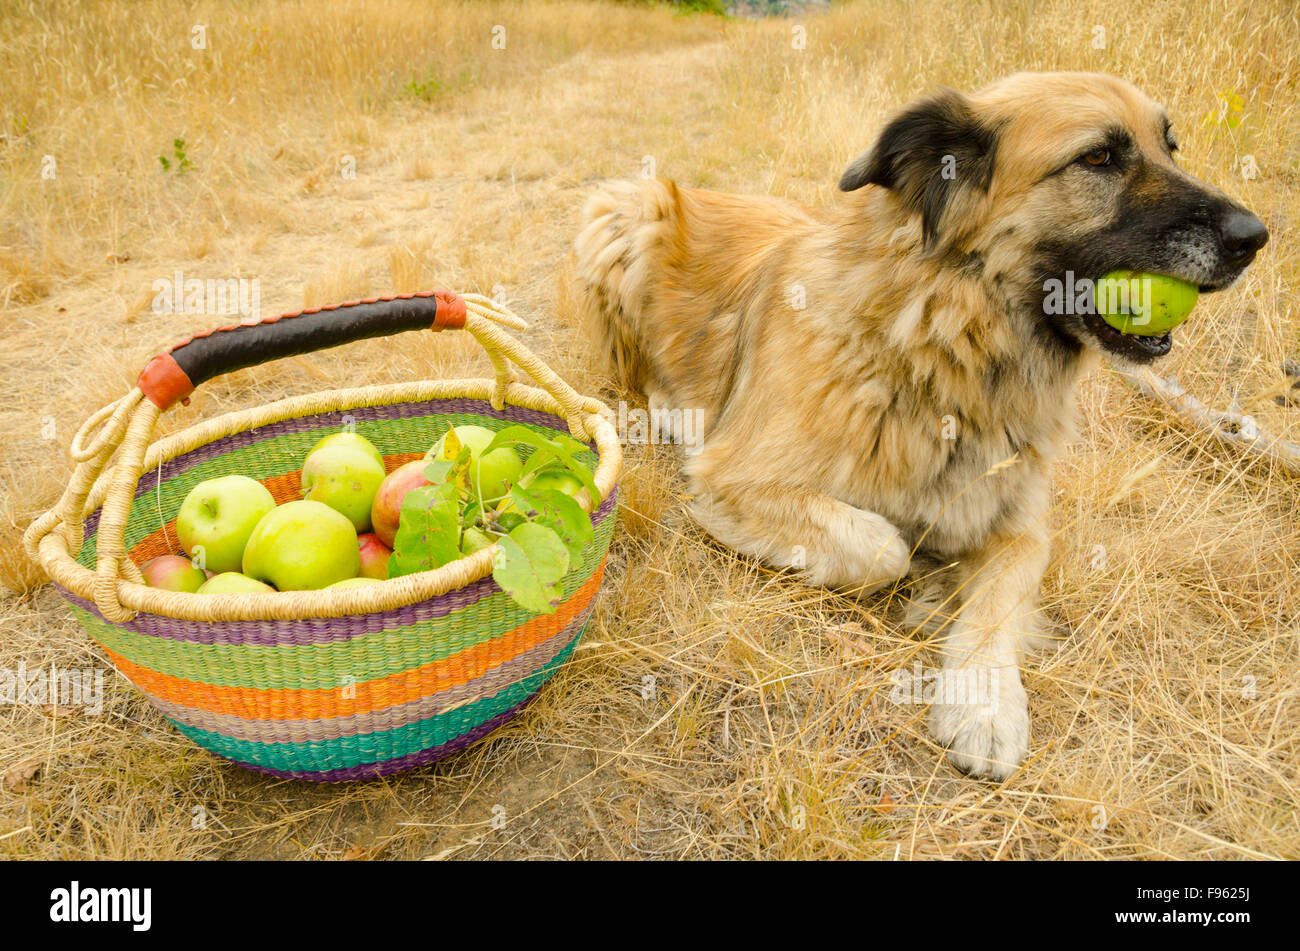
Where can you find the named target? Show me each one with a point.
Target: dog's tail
(628, 228)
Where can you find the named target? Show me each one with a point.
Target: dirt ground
(715, 709)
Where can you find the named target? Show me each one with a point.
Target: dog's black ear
(935, 147)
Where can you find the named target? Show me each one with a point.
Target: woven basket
(319, 685)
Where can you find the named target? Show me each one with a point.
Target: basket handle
(122, 430)
(176, 372)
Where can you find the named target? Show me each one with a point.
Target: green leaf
(517, 434)
(428, 530)
(529, 564)
(544, 458)
(559, 447)
(565, 441)
(439, 471)
(538, 460)
(510, 520)
(559, 512)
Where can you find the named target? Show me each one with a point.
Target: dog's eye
(1097, 158)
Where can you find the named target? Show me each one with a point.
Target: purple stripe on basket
(307, 424)
(310, 630)
(281, 633)
(397, 765)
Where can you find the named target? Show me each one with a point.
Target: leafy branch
(538, 532)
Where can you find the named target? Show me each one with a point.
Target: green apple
(474, 539)
(355, 440)
(353, 583)
(556, 479)
(491, 475)
(302, 546)
(173, 573)
(345, 477)
(1142, 303)
(217, 518)
(232, 582)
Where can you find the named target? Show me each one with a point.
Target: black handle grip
(173, 375)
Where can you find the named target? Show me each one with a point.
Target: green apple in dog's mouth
(1142, 303)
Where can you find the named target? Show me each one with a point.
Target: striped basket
(319, 685)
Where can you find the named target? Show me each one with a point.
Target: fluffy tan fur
(869, 399)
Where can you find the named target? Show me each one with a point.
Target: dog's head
(1044, 180)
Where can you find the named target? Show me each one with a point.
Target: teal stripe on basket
(352, 751)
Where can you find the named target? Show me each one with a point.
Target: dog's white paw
(863, 553)
(888, 557)
(988, 736)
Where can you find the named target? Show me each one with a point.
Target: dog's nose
(1242, 235)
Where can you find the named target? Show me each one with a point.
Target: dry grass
(715, 709)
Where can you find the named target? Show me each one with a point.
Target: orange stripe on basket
(371, 695)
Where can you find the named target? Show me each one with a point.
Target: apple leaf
(536, 461)
(556, 447)
(559, 512)
(565, 441)
(439, 471)
(457, 456)
(451, 444)
(428, 530)
(529, 564)
(542, 458)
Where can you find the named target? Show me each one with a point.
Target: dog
(886, 383)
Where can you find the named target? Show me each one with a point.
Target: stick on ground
(1231, 428)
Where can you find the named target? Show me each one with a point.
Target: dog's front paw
(864, 554)
(987, 729)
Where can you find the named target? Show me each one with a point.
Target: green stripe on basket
(321, 666)
(383, 745)
(279, 455)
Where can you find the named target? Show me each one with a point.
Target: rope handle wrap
(125, 427)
